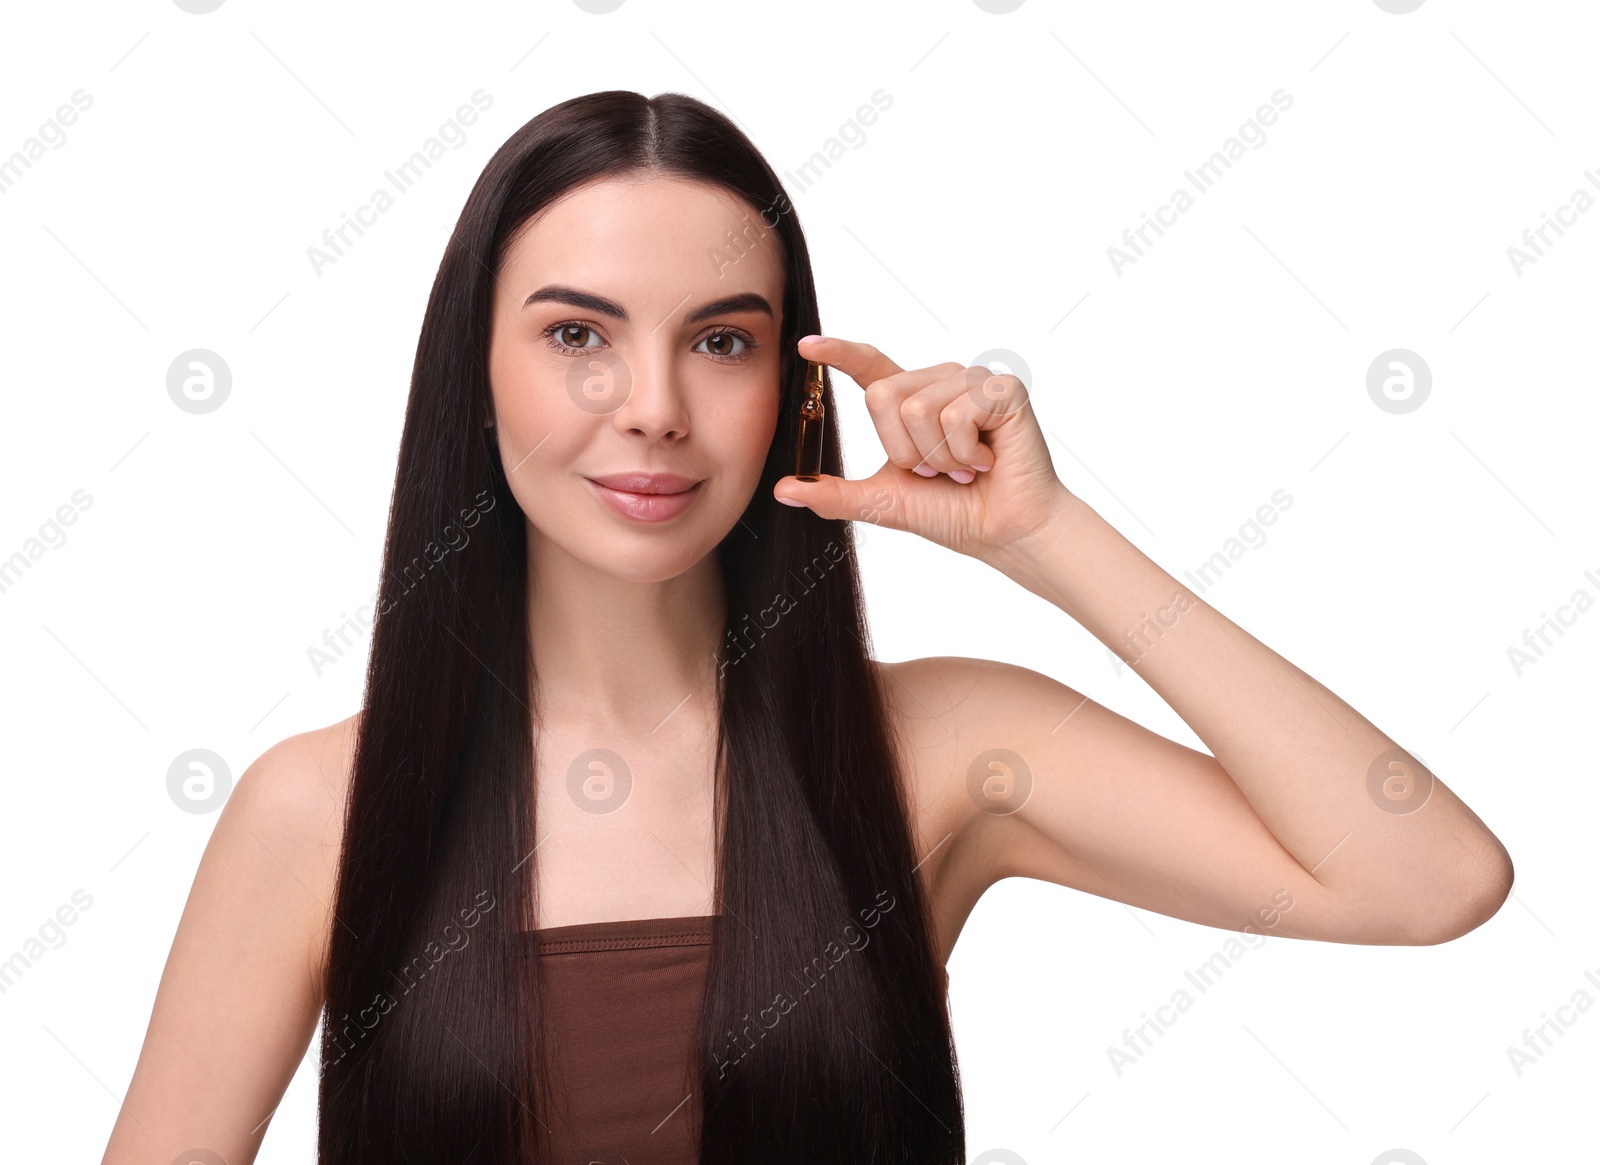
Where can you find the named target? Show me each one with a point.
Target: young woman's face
(635, 331)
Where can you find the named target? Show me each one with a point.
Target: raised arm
(1306, 817)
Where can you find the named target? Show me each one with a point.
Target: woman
(634, 852)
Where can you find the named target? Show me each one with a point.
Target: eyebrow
(573, 297)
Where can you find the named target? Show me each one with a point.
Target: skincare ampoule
(808, 451)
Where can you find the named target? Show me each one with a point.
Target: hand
(967, 469)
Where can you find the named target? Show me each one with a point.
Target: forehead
(649, 237)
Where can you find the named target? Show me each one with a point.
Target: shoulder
(287, 811)
(294, 788)
(962, 704)
(246, 966)
(948, 713)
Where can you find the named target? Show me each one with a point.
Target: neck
(621, 652)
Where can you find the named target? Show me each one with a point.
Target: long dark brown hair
(431, 1048)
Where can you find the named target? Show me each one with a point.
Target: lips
(646, 483)
(646, 497)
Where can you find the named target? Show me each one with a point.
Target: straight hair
(431, 1047)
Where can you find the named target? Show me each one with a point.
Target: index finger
(862, 363)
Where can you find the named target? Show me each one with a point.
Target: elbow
(1461, 911)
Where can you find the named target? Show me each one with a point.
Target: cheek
(535, 411)
(536, 426)
(744, 433)
(519, 390)
(539, 459)
(536, 395)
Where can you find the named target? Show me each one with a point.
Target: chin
(648, 559)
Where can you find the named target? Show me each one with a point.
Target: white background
(1228, 362)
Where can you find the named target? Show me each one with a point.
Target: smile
(645, 507)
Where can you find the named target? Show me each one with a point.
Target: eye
(723, 340)
(560, 334)
(728, 345)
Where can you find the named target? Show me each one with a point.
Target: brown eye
(725, 347)
(571, 337)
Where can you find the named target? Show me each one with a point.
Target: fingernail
(803, 339)
(962, 475)
(790, 502)
(926, 471)
(983, 468)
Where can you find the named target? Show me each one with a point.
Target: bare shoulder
(291, 799)
(947, 713)
(310, 767)
(246, 966)
(950, 709)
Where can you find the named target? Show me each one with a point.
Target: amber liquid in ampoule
(808, 451)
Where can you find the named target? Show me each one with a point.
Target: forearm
(1317, 773)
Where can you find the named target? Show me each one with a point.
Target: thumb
(827, 497)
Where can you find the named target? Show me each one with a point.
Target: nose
(654, 405)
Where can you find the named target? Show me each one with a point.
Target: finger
(907, 447)
(862, 363)
(871, 499)
(989, 399)
(912, 436)
(927, 411)
(963, 422)
(885, 383)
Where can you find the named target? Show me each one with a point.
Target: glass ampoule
(808, 450)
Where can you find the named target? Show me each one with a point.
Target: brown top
(620, 1002)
